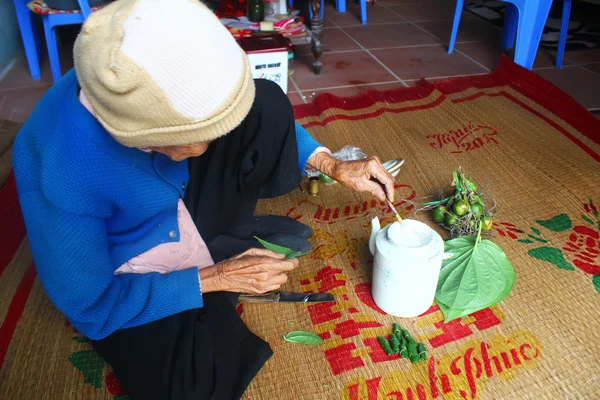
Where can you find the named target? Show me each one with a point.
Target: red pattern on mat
(507, 73)
(12, 229)
(15, 311)
(12, 233)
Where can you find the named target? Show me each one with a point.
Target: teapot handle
(375, 228)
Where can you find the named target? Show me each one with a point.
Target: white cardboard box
(271, 66)
(268, 58)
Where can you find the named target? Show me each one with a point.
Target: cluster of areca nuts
(464, 212)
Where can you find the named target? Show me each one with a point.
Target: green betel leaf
(477, 275)
(559, 223)
(451, 313)
(302, 337)
(289, 253)
(454, 313)
(461, 250)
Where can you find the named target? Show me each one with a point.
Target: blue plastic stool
(340, 6)
(525, 21)
(30, 37)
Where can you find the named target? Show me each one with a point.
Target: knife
(287, 297)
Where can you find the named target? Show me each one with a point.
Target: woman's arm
(359, 175)
(306, 146)
(73, 263)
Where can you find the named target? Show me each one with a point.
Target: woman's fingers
(374, 188)
(253, 252)
(255, 271)
(279, 279)
(266, 283)
(360, 175)
(377, 171)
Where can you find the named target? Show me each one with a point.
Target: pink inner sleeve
(190, 251)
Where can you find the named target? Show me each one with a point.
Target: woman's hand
(357, 175)
(255, 271)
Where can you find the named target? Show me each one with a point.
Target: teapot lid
(410, 234)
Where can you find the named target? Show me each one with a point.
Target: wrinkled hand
(357, 175)
(255, 271)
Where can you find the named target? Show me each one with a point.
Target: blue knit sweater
(91, 204)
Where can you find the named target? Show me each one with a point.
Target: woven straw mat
(537, 154)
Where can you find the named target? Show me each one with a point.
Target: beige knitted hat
(162, 72)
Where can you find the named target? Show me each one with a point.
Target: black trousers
(209, 353)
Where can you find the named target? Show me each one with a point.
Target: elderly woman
(138, 175)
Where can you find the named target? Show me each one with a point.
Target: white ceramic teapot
(408, 258)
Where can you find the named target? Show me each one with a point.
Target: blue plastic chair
(29, 35)
(525, 21)
(51, 21)
(340, 6)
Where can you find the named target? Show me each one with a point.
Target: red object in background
(232, 8)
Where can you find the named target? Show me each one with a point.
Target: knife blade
(287, 297)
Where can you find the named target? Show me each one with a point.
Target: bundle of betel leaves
(402, 343)
(462, 212)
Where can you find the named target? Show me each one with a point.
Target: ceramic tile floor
(404, 40)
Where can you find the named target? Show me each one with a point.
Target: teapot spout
(375, 228)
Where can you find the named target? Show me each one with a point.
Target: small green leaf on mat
(90, 364)
(302, 337)
(551, 255)
(81, 339)
(559, 223)
(586, 219)
(289, 253)
(527, 241)
(596, 282)
(536, 230)
(291, 322)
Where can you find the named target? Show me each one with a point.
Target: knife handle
(260, 298)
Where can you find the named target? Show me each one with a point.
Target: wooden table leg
(316, 26)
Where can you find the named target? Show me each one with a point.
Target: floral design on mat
(580, 250)
(326, 246)
(92, 367)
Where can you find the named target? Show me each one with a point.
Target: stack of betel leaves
(463, 212)
(402, 343)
